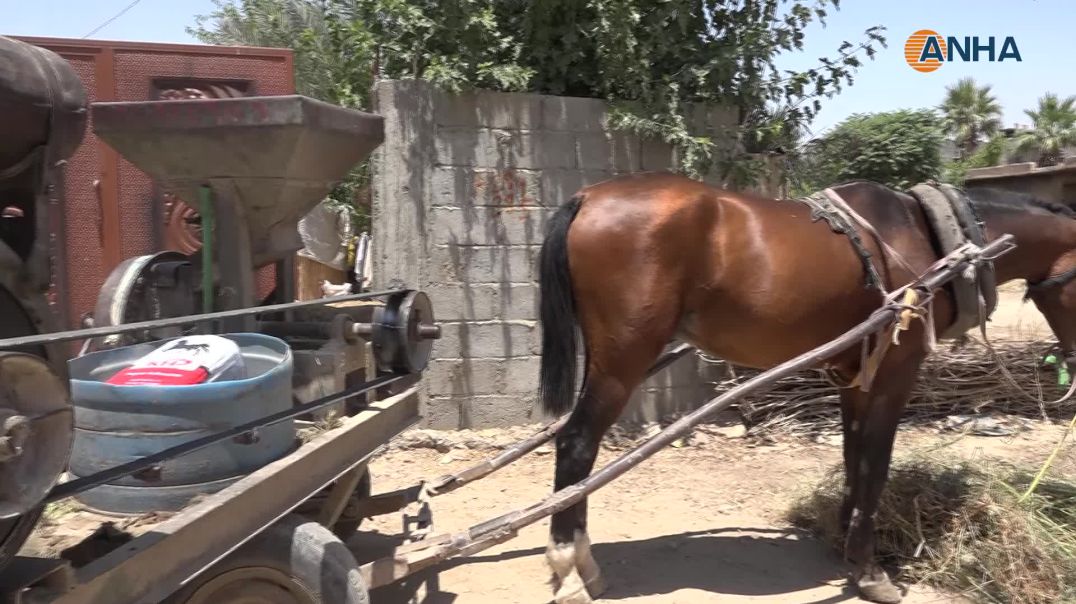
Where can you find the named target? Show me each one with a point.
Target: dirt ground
(695, 524)
(1014, 318)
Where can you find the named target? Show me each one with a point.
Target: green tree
(1053, 129)
(971, 114)
(651, 60)
(654, 59)
(990, 153)
(897, 149)
(296, 24)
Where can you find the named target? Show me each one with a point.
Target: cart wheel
(349, 521)
(295, 561)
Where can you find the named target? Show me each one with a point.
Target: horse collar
(952, 218)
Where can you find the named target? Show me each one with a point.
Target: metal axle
(95, 332)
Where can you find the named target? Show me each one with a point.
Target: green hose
(205, 195)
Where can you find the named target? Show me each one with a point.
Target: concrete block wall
(463, 186)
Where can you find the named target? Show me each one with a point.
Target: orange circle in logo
(913, 50)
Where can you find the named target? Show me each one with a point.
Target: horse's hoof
(596, 585)
(879, 589)
(577, 594)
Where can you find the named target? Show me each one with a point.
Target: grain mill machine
(253, 166)
(256, 165)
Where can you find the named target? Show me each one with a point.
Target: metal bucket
(118, 424)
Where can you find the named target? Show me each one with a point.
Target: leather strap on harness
(829, 206)
(866, 226)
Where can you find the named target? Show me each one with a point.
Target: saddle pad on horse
(950, 216)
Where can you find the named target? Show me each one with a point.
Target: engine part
(42, 122)
(268, 160)
(145, 288)
(36, 423)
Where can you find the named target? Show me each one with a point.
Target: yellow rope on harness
(904, 320)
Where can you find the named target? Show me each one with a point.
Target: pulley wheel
(29, 387)
(144, 288)
(404, 331)
(36, 429)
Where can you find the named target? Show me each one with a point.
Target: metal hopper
(267, 161)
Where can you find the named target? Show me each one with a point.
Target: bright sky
(1043, 30)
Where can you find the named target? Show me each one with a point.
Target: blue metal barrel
(118, 424)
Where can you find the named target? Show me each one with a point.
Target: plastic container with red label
(185, 362)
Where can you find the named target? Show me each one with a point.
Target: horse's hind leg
(606, 390)
(877, 423)
(853, 404)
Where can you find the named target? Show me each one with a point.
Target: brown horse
(637, 261)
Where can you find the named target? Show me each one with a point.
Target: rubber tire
(303, 549)
(346, 526)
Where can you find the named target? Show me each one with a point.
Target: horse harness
(953, 221)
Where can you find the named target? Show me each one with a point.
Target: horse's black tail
(556, 385)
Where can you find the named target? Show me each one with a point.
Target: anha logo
(926, 49)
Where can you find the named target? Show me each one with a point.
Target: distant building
(949, 150)
(1012, 156)
(1052, 183)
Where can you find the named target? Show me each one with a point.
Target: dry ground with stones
(703, 522)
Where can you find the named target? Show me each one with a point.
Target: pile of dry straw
(966, 527)
(974, 527)
(964, 380)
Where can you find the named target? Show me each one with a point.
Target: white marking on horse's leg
(569, 585)
(857, 516)
(588, 568)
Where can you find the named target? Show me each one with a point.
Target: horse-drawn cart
(257, 164)
(245, 542)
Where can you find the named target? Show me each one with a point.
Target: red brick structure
(111, 210)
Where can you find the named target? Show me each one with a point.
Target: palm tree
(970, 114)
(1053, 129)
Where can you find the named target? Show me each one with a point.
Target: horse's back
(749, 278)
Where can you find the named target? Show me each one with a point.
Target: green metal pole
(205, 195)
